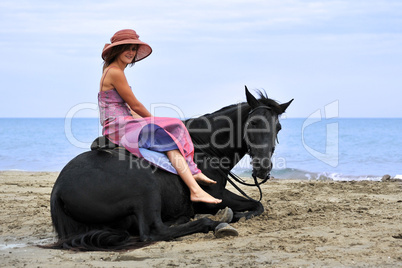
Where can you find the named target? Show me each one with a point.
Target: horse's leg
(129, 223)
(162, 232)
(152, 228)
(241, 206)
(180, 220)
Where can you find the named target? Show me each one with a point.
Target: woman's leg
(201, 178)
(197, 194)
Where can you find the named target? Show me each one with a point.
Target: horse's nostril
(266, 163)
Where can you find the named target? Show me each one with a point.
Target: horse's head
(261, 130)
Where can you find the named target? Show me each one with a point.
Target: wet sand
(305, 224)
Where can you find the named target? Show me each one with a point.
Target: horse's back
(100, 185)
(96, 186)
(96, 166)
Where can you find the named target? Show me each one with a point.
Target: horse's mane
(262, 98)
(273, 104)
(224, 114)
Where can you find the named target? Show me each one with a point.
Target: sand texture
(305, 224)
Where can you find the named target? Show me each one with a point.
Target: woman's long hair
(115, 53)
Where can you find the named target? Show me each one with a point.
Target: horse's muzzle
(262, 168)
(262, 175)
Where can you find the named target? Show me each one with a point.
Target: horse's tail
(99, 240)
(78, 236)
(63, 224)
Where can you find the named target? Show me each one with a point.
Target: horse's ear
(284, 106)
(251, 100)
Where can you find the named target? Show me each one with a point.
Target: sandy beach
(305, 224)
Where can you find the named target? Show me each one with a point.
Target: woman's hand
(119, 82)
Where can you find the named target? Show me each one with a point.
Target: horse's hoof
(223, 229)
(224, 215)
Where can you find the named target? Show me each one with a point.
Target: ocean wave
(298, 174)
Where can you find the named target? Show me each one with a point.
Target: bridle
(249, 114)
(259, 107)
(237, 178)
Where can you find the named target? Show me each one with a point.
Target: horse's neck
(220, 135)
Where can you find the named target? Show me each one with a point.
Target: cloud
(78, 17)
(203, 20)
(205, 45)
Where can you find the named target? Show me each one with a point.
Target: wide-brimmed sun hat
(128, 36)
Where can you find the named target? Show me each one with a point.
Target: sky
(342, 54)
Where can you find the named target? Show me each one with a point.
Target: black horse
(110, 200)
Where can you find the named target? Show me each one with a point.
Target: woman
(128, 123)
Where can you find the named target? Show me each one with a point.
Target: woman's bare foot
(202, 179)
(204, 197)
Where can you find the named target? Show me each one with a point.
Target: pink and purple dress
(147, 137)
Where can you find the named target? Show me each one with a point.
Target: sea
(341, 149)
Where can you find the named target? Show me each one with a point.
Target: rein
(241, 181)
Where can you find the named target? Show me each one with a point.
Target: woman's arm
(120, 83)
